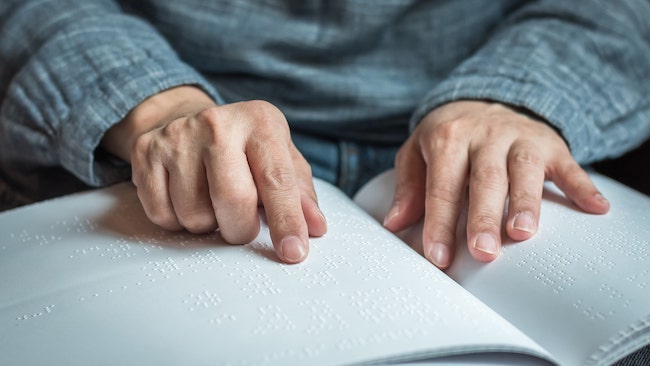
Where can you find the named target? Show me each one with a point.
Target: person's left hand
(496, 152)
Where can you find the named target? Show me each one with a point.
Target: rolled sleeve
(579, 65)
(87, 66)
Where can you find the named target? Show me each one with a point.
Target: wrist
(152, 113)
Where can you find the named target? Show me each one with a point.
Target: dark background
(632, 169)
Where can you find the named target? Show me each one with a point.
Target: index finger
(278, 188)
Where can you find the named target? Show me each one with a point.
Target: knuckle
(236, 198)
(449, 130)
(277, 178)
(446, 191)
(215, 125)
(491, 175)
(263, 108)
(171, 131)
(140, 147)
(174, 130)
(524, 198)
(525, 158)
(282, 220)
(445, 138)
(163, 218)
(239, 236)
(486, 221)
(210, 116)
(197, 221)
(268, 118)
(171, 143)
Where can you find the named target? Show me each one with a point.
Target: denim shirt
(362, 70)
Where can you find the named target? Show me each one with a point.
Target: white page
(580, 287)
(88, 280)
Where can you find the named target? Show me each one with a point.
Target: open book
(88, 280)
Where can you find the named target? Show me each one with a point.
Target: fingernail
(392, 213)
(322, 216)
(292, 249)
(524, 221)
(486, 243)
(601, 198)
(439, 254)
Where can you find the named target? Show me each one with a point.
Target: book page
(87, 279)
(580, 287)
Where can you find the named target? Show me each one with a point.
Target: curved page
(88, 280)
(580, 287)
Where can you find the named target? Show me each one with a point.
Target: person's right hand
(200, 167)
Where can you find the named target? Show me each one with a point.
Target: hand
(201, 167)
(494, 151)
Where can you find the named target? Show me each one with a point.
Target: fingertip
(292, 249)
(389, 219)
(580, 189)
(598, 204)
(522, 226)
(593, 203)
(439, 254)
(321, 228)
(316, 221)
(410, 189)
(404, 212)
(485, 247)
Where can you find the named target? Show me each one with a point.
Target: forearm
(73, 71)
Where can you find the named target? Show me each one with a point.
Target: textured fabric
(346, 163)
(638, 358)
(358, 70)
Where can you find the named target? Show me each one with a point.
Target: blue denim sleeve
(582, 65)
(70, 70)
